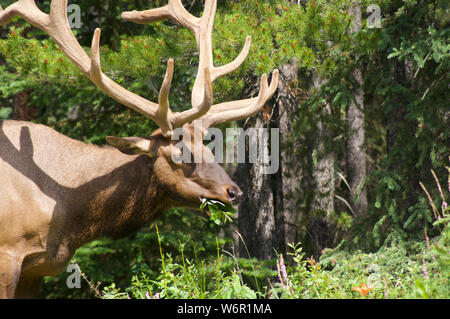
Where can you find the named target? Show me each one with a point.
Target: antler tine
(230, 67)
(173, 10)
(237, 110)
(49, 23)
(192, 114)
(26, 9)
(57, 27)
(163, 99)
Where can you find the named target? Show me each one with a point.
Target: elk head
(187, 182)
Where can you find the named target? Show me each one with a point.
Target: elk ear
(131, 145)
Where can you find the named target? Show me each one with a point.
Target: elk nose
(234, 194)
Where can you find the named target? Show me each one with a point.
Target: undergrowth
(402, 270)
(417, 270)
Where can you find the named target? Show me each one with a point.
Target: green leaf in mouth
(220, 212)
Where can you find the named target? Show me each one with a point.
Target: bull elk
(57, 193)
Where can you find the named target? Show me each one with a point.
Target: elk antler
(207, 72)
(57, 27)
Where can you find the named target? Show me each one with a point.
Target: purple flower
(425, 270)
(155, 296)
(279, 274)
(283, 269)
(282, 273)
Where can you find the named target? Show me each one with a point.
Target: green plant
(220, 212)
(188, 279)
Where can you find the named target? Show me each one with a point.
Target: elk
(58, 194)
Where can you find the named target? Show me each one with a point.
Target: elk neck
(115, 204)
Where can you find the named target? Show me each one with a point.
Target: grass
(417, 270)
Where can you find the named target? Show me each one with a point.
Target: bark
(288, 181)
(256, 212)
(269, 216)
(320, 232)
(356, 158)
(22, 110)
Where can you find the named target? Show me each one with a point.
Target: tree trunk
(268, 216)
(256, 212)
(320, 232)
(22, 110)
(356, 158)
(288, 180)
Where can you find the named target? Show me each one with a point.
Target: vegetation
(398, 247)
(189, 270)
